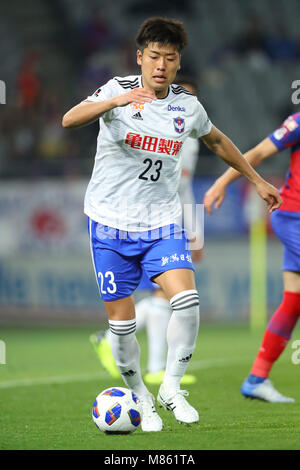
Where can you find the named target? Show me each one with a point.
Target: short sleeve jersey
(189, 156)
(136, 174)
(288, 136)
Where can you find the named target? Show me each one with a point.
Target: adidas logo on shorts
(137, 116)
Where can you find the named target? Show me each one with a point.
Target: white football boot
(176, 403)
(264, 391)
(150, 419)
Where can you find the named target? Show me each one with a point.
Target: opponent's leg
(276, 337)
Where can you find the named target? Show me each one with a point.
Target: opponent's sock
(126, 352)
(277, 334)
(181, 337)
(253, 379)
(142, 310)
(157, 325)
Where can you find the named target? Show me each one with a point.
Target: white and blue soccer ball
(117, 410)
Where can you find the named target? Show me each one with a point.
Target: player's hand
(215, 195)
(137, 95)
(270, 194)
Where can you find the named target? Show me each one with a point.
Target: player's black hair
(186, 80)
(162, 30)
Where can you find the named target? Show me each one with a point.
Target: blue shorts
(120, 258)
(286, 226)
(146, 283)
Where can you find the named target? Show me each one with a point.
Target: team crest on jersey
(179, 124)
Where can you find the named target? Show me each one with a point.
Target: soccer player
(134, 210)
(286, 225)
(153, 312)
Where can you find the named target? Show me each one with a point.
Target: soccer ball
(117, 410)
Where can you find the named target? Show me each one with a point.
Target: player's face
(159, 65)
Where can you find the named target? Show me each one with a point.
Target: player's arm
(216, 193)
(87, 112)
(222, 146)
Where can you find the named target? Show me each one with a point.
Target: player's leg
(275, 340)
(123, 342)
(156, 327)
(126, 353)
(284, 319)
(280, 326)
(153, 312)
(101, 339)
(118, 276)
(179, 287)
(169, 263)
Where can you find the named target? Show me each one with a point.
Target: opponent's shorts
(120, 257)
(286, 226)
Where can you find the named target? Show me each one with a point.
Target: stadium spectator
(96, 33)
(28, 83)
(281, 46)
(252, 39)
(159, 7)
(250, 44)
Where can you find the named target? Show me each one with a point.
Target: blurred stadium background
(245, 55)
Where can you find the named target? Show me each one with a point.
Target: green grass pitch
(52, 376)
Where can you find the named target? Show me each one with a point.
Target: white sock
(157, 325)
(126, 352)
(142, 310)
(181, 337)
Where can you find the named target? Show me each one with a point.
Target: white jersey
(136, 175)
(189, 156)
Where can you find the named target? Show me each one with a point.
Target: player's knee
(186, 317)
(186, 302)
(122, 330)
(291, 303)
(123, 342)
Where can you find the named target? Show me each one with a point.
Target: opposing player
(134, 210)
(153, 311)
(286, 225)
